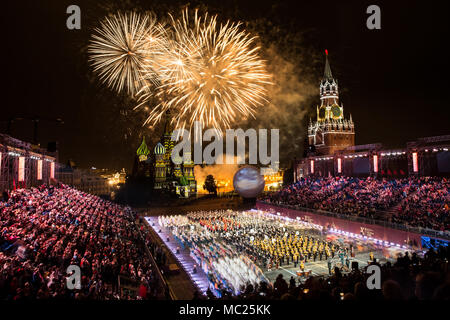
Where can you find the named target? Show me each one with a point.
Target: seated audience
(44, 230)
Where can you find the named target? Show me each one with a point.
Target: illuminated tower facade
(188, 172)
(167, 142)
(169, 175)
(331, 131)
(160, 167)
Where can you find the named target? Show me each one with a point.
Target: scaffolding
(11, 150)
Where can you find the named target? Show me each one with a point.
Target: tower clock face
(336, 111)
(322, 112)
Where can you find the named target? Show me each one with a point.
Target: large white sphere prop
(248, 182)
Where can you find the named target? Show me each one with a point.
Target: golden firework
(209, 72)
(200, 70)
(119, 48)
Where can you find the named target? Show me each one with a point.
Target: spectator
(44, 230)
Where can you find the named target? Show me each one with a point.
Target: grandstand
(47, 229)
(23, 164)
(47, 226)
(424, 157)
(418, 205)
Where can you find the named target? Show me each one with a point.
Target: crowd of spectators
(410, 278)
(422, 202)
(428, 207)
(44, 230)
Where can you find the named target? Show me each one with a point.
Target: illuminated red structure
(24, 165)
(332, 150)
(424, 157)
(330, 131)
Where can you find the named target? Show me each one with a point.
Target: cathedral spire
(167, 124)
(329, 92)
(327, 73)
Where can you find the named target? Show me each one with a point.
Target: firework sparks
(198, 69)
(209, 73)
(120, 47)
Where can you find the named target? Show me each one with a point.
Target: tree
(210, 184)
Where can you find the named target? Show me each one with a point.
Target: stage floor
(320, 268)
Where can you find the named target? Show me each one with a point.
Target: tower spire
(167, 123)
(327, 73)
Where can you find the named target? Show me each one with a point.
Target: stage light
(39, 169)
(14, 154)
(415, 162)
(52, 170)
(21, 172)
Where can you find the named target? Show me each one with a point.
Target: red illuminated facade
(331, 131)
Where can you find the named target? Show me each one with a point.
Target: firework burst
(210, 73)
(119, 48)
(198, 69)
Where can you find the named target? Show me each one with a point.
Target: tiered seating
(424, 201)
(44, 230)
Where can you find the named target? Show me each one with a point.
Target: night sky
(393, 81)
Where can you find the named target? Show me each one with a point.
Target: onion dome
(159, 149)
(143, 149)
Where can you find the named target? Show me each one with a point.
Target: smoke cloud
(289, 101)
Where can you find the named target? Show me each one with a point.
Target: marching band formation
(232, 247)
